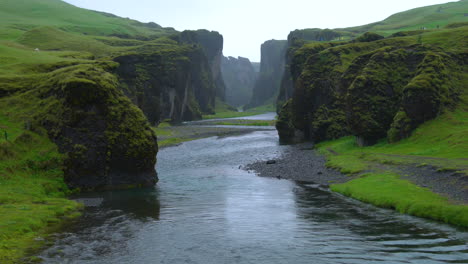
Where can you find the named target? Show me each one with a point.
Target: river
(205, 209)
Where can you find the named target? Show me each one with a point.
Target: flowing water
(205, 209)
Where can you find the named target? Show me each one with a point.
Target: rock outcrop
(296, 39)
(271, 72)
(212, 44)
(107, 140)
(371, 88)
(239, 77)
(168, 81)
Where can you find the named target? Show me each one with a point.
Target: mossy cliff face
(297, 39)
(367, 88)
(106, 139)
(168, 81)
(239, 76)
(211, 43)
(271, 71)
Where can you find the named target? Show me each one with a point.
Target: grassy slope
(429, 17)
(17, 17)
(441, 143)
(32, 191)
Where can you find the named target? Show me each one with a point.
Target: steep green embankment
(77, 88)
(407, 92)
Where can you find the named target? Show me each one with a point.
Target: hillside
(17, 17)
(428, 17)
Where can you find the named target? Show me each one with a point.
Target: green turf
(32, 190)
(441, 142)
(223, 110)
(389, 191)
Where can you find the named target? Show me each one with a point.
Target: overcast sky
(246, 24)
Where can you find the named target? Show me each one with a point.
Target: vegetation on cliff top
(427, 17)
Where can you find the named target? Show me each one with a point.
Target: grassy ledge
(440, 143)
(387, 190)
(225, 111)
(244, 122)
(32, 191)
(167, 136)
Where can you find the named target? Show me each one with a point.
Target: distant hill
(428, 17)
(16, 17)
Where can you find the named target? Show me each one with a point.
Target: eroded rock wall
(106, 141)
(239, 77)
(168, 81)
(370, 89)
(211, 43)
(271, 71)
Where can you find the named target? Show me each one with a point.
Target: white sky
(246, 24)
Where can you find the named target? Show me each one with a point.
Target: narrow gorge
(130, 142)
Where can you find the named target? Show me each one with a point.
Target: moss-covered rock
(371, 88)
(401, 127)
(211, 43)
(368, 37)
(107, 140)
(286, 130)
(168, 81)
(268, 81)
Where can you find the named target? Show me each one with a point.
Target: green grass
(173, 141)
(441, 142)
(169, 137)
(429, 17)
(223, 110)
(25, 15)
(32, 190)
(387, 190)
(245, 122)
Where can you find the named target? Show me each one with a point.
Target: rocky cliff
(271, 72)
(239, 77)
(296, 39)
(168, 80)
(211, 43)
(371, 88)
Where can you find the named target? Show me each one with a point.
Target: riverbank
(424, 175)
(173, 135)
(32, 192)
